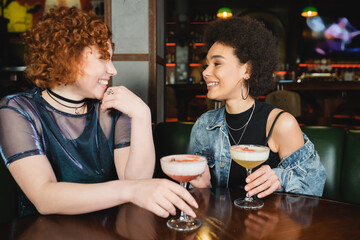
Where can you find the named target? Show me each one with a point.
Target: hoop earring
(242, 87)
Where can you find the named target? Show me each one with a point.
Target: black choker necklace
(64, 99)
(51, 93)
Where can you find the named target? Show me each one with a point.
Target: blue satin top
(80, 148)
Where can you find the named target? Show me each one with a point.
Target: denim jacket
(300, 172)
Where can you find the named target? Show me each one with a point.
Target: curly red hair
(53, 47)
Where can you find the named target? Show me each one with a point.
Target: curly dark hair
(253, 43)
(53, 47)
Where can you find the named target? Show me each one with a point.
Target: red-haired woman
(73, 144)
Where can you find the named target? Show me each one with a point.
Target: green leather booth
(170, 138)
(350, 181)
(329, 143)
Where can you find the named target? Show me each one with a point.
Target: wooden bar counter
(284, 216)
(321, 86)
(327, 98)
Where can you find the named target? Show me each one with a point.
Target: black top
(255, 133)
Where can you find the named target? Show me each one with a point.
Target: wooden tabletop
(284, 216)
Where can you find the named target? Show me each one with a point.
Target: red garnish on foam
(246, 149)
(187, 159)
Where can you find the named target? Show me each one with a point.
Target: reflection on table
(284, 216)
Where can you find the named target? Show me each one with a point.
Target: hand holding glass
(183, 168)
(249, 156)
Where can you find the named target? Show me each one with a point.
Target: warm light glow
(340, 65)
(205, 232)
(281, 72)
(309, 14)
(224, 13)
(309, 11)
(195, 65)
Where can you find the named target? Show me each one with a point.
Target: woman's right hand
(162, 197)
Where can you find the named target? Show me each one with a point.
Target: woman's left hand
(202, 181)
(262, 182)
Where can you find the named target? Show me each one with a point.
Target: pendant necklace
(52, 95)
(238, 129)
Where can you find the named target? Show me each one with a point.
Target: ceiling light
(309, 11)
(224, 12)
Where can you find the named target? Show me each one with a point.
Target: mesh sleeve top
(80, 148)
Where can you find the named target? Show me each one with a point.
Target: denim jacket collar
(217, 119)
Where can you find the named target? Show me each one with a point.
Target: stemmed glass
(183, 168)
(249, 156)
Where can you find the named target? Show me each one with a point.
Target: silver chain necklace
(245, 126)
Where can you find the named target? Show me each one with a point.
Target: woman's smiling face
(224, 73)
(96, 73)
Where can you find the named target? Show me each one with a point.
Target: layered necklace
(238, 129)
(53, 96)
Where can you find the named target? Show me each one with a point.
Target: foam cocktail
(249, 156)
(183, 168)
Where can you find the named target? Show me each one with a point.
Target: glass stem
(183, 216)
(248, 198)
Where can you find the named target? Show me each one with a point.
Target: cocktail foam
(249, 152)
(183, 164)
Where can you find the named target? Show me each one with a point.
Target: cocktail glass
(183, 168)
(249, 156)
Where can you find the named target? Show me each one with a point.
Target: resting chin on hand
(262, 182)
(202, 181)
